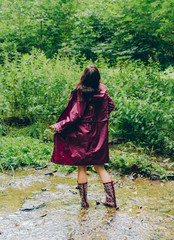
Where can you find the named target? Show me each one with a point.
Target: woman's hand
(53, 129)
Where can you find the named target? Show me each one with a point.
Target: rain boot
(83, 194)
(110, 195)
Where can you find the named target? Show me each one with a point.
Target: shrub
(36, 89)
(128, 163)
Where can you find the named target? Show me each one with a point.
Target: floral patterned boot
(83, 194)
(110, 195)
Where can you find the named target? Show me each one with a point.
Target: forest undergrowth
(34, 91)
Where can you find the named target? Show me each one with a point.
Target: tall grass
(23, 151)
(144, 99)
(36, 88)
(17, 152)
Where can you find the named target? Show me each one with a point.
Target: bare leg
(102, 173)
(82, 177)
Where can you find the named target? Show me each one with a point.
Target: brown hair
(90, 79)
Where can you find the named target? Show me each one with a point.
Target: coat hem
(78, 164)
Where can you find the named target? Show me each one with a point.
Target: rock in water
(32, 205)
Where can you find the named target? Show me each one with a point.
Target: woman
(81, 133)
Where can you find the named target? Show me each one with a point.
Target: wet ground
(38, 206)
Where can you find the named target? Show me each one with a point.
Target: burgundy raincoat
(83, 130)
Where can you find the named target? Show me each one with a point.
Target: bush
(36, 89)
(128, 163)
(20, 152)
(144, 106)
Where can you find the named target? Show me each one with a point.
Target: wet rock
(140, 207)
(171, 217)
(164, 210)
(73, 192)
(155, 176)
(50, 173)
(30, 206)
(27, 209)
(40, 206)
(40, 168)
(43, 189)
(43, 215)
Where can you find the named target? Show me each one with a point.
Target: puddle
(54, 212)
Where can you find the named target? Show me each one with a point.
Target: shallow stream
(38, 206)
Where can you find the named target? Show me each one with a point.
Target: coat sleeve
(75, 114)
(111, 105)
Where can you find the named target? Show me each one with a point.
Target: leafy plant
(128, 163)
(116, 30)
(35, 90)
(23, 151)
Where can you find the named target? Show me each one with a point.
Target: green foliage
(128, 163)
(144, 105)
(36, 87)
(65, 168)
(113, 29)
(35, 90)
(23, 151)
(36, 130)
(26, 24)
(4, 129)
